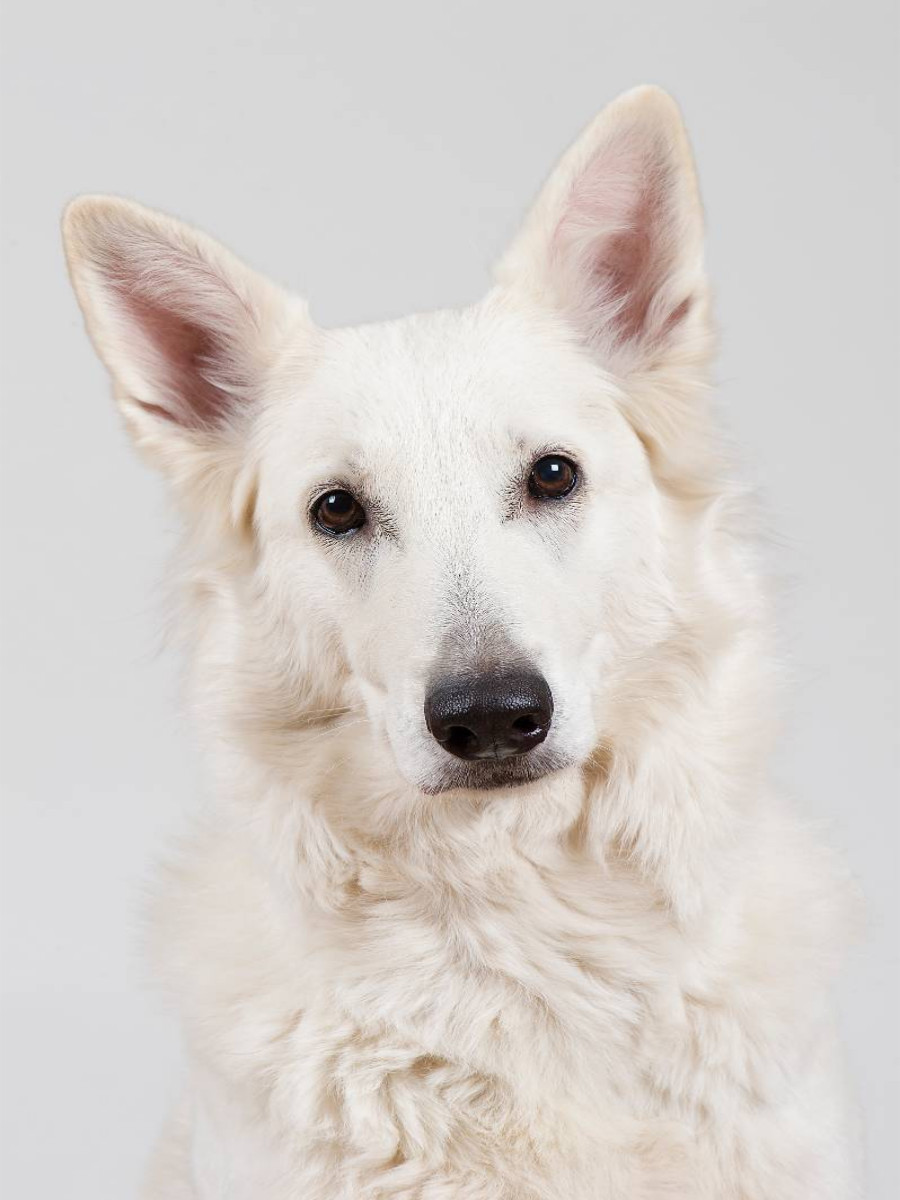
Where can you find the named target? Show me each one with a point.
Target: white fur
(608, 983)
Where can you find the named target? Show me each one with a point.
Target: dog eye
(552, 477)
(338, 512)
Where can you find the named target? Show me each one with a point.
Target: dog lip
(489, 775)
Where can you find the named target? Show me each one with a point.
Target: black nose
(494, 715)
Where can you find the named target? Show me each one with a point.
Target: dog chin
(491, 774)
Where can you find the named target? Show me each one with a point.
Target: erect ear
(615, 239)
(185, 329)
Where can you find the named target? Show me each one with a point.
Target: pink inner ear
(619, 229)
(182, 355)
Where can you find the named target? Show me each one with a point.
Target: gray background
(376, 156)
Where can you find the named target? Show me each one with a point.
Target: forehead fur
(493, 376)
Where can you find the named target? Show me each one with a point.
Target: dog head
(454, 524)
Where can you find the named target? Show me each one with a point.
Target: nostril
(525, 724)
(460, 740)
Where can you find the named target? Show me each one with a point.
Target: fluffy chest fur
(482, 1010)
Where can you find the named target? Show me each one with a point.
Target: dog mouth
(491, 774)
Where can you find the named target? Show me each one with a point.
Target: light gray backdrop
(376, 156)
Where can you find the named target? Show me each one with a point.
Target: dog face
(491, 507)
(454, 517)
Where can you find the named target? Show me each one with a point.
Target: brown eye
(552, 477)
(338, 512)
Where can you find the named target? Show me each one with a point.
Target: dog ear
(185, 329)
(615, 239)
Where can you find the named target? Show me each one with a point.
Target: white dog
(494, 903)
